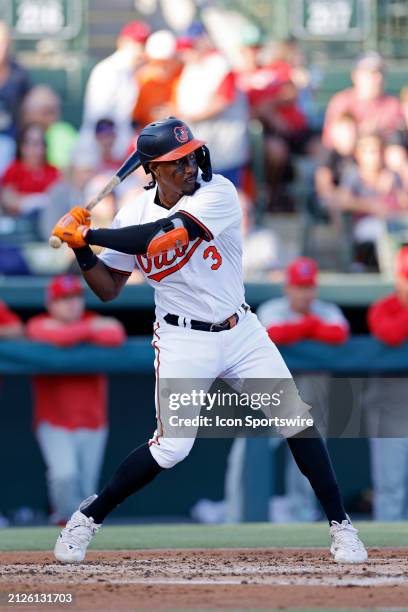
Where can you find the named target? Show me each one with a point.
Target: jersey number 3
(212, 252)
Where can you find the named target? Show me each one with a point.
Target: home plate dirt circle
(238, 578)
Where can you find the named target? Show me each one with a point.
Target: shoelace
(78, 534)
(347, 534)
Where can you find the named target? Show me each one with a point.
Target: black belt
(229, 323)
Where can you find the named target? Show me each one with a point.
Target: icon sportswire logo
(167, 263)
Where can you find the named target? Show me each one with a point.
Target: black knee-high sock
(312, 458)
(137, 470)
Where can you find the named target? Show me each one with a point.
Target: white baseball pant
(241, 353)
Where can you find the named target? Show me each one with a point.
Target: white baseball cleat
(73, 540)
(346, 546)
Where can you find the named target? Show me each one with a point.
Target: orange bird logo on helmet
(181, 133)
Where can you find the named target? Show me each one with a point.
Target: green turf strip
(248, 535)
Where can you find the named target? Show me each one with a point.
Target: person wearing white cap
(157, 79)
(373, 109)
(161, 45)
(209, 99)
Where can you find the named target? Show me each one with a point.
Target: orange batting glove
(73, 226)
(82, 215)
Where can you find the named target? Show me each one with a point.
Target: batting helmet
(170, 139)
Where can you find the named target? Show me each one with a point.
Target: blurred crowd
(362, 175)
(355, 153)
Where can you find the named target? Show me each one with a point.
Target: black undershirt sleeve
(194, 229)
(135, 239)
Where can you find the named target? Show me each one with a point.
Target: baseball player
(183, 234)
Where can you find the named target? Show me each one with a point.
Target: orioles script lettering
(167, 263)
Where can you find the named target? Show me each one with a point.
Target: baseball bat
(131, 164)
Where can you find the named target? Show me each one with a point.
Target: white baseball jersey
(202, 280)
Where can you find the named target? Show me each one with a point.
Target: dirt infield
(237, 578)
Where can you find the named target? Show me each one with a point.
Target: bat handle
(55, 242)
(109, 187)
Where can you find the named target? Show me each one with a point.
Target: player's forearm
(133, 240)
(137, 239)
(105, 284)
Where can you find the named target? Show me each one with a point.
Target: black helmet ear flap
(204, 162)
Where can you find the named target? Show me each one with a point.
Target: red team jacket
(388, 320)
(72, 400)
(7, 316)
(310, 328)
(324, 323)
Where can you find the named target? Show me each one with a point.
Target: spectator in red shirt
(366, 101)
(388, 318)
(70, 410)
(385, 404)
(270, 84)
(27, 179)
(300, 315)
